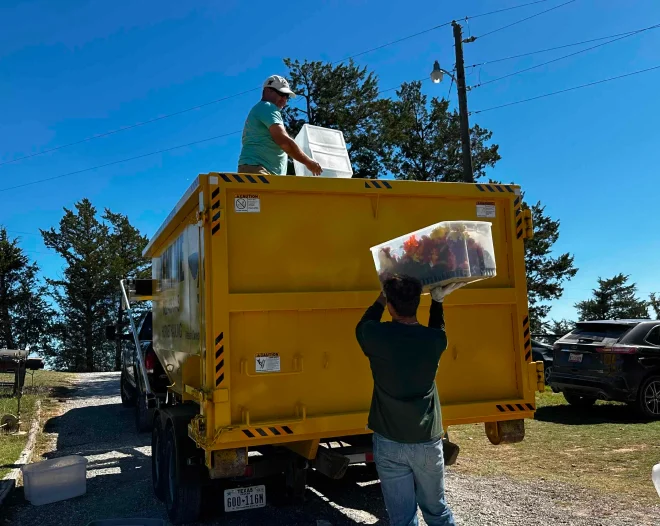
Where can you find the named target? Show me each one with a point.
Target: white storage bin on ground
(328, 148)
(56, 479)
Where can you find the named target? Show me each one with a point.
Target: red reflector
(249, 471)
(150, 361)
(368, 457)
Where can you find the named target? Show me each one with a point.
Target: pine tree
(126, 245)
(422, 139)
(85, 292)
(343, 97)
(614, 299)
(546, 273)
(25, 315)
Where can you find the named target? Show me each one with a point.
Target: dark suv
(610, 360)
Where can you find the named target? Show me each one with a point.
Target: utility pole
(468, 176)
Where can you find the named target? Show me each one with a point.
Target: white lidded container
(54, 480)
(328, 148)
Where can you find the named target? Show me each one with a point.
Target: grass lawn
(606, 448)
(46, 384)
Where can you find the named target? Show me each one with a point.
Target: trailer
(258, 284)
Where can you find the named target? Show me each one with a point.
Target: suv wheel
(648, 400)
(579, 401)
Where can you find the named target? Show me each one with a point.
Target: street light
(436, 77)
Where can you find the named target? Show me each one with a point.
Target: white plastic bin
(328, 148)
(54, 480)
(447, 252)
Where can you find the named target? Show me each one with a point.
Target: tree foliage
(654, 303)
(546, 272)
(423, 139)
(97, 253)
(25, 315)
(343, 97)
(614, 299)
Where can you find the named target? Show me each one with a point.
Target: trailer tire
(142, 420)
(183, 498)
(127, 399)
(158, 460)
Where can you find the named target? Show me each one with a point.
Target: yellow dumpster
(258, 283)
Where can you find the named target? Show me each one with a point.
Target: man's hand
(439, 293)
(313, 166)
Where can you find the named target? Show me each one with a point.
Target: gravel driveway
(119, 484)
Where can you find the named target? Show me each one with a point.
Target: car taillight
(619, 349)
(150, 362)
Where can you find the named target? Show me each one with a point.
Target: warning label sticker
(485, 209)
(248, 203)
(267, 362)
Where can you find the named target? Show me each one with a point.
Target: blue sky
(74, 68)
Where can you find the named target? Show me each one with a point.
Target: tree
(560, 327)
(342, 97)
(97, 253)
(614, 299)
(654, 303)
(546, 273)
(423, 140)
(125, 245)
(84, 293)
(25, 315)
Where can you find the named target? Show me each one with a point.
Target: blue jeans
(412, 474)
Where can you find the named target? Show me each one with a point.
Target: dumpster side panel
(292, 274)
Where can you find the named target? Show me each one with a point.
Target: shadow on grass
(597, 414)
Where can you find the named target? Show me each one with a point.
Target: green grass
(46, 384)
(605, 448)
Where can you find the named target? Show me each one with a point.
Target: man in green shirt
(405, 410)
(265, 140)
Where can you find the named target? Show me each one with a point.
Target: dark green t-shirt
(404, 362)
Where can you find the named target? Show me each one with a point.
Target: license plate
(575, 357)
(238, 499)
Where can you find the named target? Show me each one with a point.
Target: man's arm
(373, 315)
(437, 316)
(282, 139)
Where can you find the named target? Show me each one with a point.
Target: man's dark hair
(404, 294)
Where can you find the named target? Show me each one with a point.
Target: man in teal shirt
(265, 140)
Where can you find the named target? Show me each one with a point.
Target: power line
(120, 161)
(227, 97)
(567, 89)
(524, 19)
(564, 57)
(549, 49)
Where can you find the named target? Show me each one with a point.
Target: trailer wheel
(506, 432)
(183, 498)
(142, 421)
(126, 399)
(158, 460)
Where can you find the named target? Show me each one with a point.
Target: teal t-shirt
(259, 148)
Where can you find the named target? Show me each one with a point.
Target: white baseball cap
(280, 84)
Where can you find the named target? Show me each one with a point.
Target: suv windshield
(598, 331)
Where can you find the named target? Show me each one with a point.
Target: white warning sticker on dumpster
(485, 209)
(267, 362)
(248, 203)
